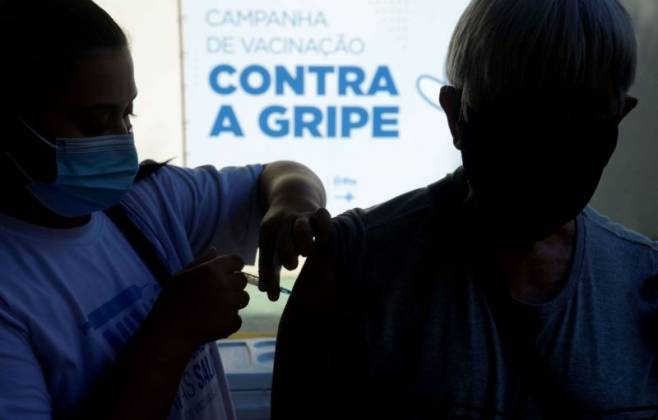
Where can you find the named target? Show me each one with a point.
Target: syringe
(255, 281)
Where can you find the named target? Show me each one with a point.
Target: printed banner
(349, 88)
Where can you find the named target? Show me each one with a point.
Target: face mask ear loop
(19, 167)
(39, 136)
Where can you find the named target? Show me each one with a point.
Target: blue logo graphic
(119, 318)
(429, 88)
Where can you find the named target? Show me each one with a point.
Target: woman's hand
(201, 303)
(285, 235)
(295, 217)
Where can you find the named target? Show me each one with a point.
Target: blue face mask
(93, 174)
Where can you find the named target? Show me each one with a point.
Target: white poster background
(411, 37)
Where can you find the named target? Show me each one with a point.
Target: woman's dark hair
(42, 40)
(148, 168)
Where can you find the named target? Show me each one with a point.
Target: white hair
(536, 46)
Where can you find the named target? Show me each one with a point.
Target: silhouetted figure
(116, 281)
(495, 292)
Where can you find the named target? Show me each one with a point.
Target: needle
(255, 281)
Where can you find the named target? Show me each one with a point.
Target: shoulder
(387, 236)
(626, 259)
(353, 228)
(403, 215)
(400, 211)
(157, 177)
(169, 188)
(615, 236)
(153, 177)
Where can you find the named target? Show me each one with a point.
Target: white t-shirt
(71, 299)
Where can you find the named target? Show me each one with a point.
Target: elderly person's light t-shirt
(71, 299)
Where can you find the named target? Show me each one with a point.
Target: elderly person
(496, 292)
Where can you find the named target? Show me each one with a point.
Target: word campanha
(266, 18)
(332, 121)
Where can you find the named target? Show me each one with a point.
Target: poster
(348, 88)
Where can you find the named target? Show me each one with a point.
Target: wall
(152, 26)
(629, 191)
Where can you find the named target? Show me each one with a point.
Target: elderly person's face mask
(531, 174)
